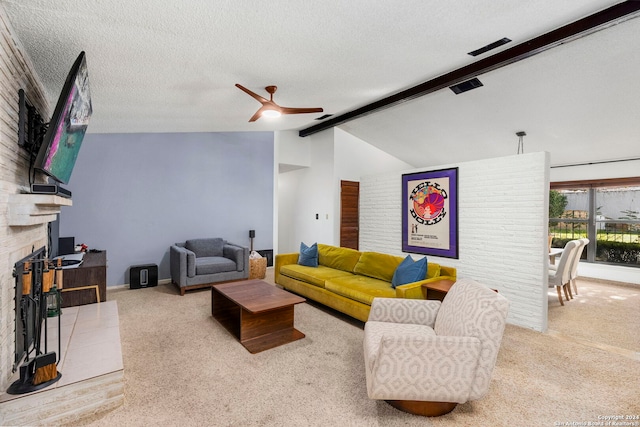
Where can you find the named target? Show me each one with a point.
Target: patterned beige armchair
(425, 357)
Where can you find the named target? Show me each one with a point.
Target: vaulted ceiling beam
(580, 28)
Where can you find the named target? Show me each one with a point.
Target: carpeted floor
(183, 369)
(601, 313)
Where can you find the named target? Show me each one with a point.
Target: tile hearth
(91, 366)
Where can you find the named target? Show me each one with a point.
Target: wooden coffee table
(258, 314)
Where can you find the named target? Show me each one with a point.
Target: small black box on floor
(268, 254)
(143, 276)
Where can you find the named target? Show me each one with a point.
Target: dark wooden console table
(84, 284)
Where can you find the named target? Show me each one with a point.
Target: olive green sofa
(348, 280)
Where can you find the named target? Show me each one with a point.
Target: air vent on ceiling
(324, 117)
(465, 86)
(489, 47)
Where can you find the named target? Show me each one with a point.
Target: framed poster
(430, 213)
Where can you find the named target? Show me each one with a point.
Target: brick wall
(15, 242)
(502, 223)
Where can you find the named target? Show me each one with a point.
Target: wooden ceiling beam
(580, 28)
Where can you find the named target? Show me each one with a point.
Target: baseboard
(127, 285)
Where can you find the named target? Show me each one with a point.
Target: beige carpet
(602, 313)
(183, 369)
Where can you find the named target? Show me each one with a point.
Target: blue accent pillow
(308, 255)
(409, 271)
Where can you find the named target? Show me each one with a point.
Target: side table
(437, 290)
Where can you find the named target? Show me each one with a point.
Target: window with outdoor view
(605, 212)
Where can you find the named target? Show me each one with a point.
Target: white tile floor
(89, 345)
(92, 342)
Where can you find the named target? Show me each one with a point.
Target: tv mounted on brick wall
(59, 150)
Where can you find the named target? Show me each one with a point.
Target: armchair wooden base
(426, 409)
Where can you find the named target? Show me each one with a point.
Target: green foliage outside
(617, 243)
(565, 234)
(557, 204)
(608, 251)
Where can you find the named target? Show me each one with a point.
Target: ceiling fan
(270, 108)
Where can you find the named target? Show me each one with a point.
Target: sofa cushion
(308, 255)
(214, 264)
(339, 258)
(409, 271)
(313, 275)
(377, 265)
(205, 247)
(433, 270)
(360, 288)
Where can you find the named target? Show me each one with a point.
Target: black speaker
(268, 254)
(66, 245)
(143, 276)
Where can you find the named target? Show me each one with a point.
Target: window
(607, 212)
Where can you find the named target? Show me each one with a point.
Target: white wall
(502, 227)
(354, 158)
(310, 182)
(303, 193)
(292, 150)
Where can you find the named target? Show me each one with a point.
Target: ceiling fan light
(271, 114)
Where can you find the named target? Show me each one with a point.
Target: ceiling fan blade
(257, 115)
(269, 104)
(252, 94)
(288, 110)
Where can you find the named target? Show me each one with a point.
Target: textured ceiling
(171, 66)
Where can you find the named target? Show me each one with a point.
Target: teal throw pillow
(409, 271)
(308, 255)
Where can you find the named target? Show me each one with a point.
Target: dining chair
(582, 244)
(560, 277)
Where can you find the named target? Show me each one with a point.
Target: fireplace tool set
(40, 296)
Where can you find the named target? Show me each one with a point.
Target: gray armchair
(200, 263)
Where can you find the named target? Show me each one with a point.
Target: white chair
(426, 356)
(560, 275)
(582, 244)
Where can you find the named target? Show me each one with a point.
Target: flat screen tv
(60, 145)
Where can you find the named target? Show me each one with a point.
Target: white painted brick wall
(15, 242)
(502, 227)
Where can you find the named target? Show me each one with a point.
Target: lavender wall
(136, 194)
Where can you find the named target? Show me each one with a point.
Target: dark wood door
(349, 221)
